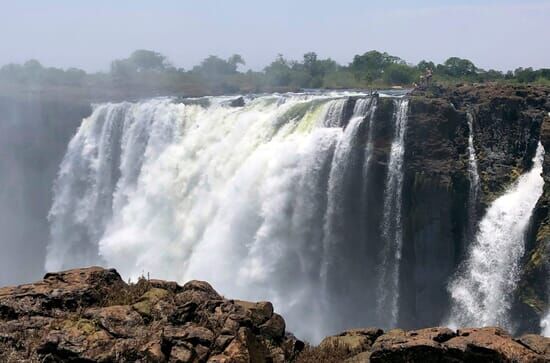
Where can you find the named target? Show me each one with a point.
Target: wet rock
(237, 102)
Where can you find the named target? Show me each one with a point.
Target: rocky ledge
(92, 315)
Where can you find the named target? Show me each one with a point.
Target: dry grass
(331, 353)
(127, 295)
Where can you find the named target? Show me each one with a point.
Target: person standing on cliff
(428, 77)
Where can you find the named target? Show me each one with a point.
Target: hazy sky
(501, 34)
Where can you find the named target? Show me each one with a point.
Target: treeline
(147, 72)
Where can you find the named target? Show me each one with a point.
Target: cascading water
(388, 288)
(545, 325)
(481, 291)
(241, 197)
(334, 113)
(341, 165)
(473, 176)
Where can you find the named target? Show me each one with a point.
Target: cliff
(508, 121)
(92, 315)
(437, 211)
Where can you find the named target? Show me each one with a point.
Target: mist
(34, 131)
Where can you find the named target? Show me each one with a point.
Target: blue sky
(89, 34)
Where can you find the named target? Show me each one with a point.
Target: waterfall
(344, 162)
(392, 234)
(545, 325)
(334, 113)
(473, 176)
(247, 198)
(481, 292)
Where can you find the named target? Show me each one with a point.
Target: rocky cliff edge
(92, 315)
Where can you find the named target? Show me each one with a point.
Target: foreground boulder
(91, 315)
(429, 345)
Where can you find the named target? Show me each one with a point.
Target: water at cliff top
(482, 292)
(251, 199)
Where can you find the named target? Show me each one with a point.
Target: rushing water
(545, 325)
(474, 178)
(253, 199)
(392, 233)
(294, 198)
(482, 291)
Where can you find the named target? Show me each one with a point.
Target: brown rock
(260, 312)
(119, 321)
(356, 340)
(537, 343)
(443, 345)
(489, 344)
(91, 315)
(417, 346)
(180, 354)
(274, 327)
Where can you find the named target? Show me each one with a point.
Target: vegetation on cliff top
(150, 73)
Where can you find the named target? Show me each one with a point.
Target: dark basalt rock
(237, 102)
(509, 121)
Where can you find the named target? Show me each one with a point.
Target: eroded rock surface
(91, 315)
(439, 345)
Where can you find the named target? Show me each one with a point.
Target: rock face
(508, 122)
(432, 345)
(91, 315)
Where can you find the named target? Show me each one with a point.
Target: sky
(88, 34)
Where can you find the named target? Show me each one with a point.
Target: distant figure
(422, 81)
(429, 75)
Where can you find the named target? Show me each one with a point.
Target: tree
(139, 61)
(423, 66)
(399, 74)
(236, 60)
(525, 75)
(214, 66)
(459, 67)
(147, 60)
(278, 73)
(372, 64)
